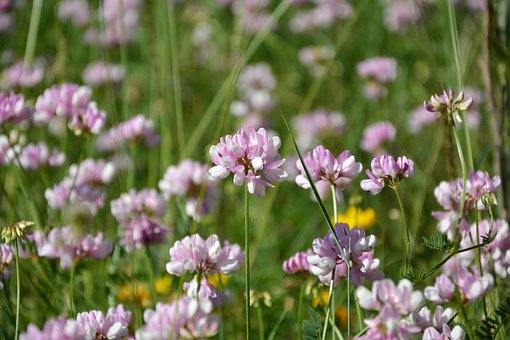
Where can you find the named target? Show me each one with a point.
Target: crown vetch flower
(449, 105)
(252, 156)
(113, 325)
(375, 135)
(387, 170)
(194, 254)
(356, 248)
(135, 130)
(13, 108)
(298, 263)
(325, 170)
(59, 328)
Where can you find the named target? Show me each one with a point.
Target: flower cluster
(322, 15)
(252, 156)
(316, 58)
(139, 214)
(74, 11)
(387, 171)
(256, 86)
(189, 180)
(378, 71)
(87, 325)
(436, 326)
(327, 170)
(375, 135)
(100, 73)
(13, 108)
(68, 244)
(449, 105)
(186, 317)
(449, 195)
(21, 75)
(395, 304)
(83, 185)
(353, 252)
(318, 123)
(134, 130)
(73, 103)
(298, 263)
(194, 254)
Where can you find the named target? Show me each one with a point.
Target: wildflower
(356, 216)
(378, 71)
(194, 254)
(395, 304)
(375, 135)
(189, 179)
(435, 326)
(443, 290)
(186, 317)
(113, 325)
(136, 130)
(457, 333)
(163, 285)
(467, 279)
(66, 244)
(386, 171)
(316, 124)
(298, 263)
(204, 291)
(21, 75)
(400, 15)
(326, 170)
(75, 11)
(252, 156)
(100, 73)
(218, 280)
(135, 292)
(257, 297)
(33, 156)
(65, 100)
(6, 258)
(356, 248)
(322, 15)
(13, 108)
(16, 231)
(449, 105)
(320, 298)
(58, 328)
(90, 121)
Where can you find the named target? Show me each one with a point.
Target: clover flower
(298, 263)
(395, 304)
(13, 108)
(135, 130)
(327, 170)
(204, 291)
(194, 254)
(113, 325)
(400, 15)
(64, 100)
(322, 15)
(100, 73)
(387, 171)
(90, 121)
(252, 156)
(21, 75)
(362, 218)
(6, 258)
(55, 328)
(442, 291)
(186, 317)
(75, 11)
(435, 326)
(33, 156)
(66, 243)
(356, 248)
(316, 124)
(378, 71)
(190, 180)
(375, 135)
(449, 105)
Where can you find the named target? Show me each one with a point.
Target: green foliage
(438, 242)
(415, 279)
(312, 329)
(491, 325)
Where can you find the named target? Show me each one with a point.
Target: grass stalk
(406, 229)
(18, 290)
(247, 250)
(35, 17)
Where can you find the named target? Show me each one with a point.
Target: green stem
(479, 257)
(247, 250)
(18, 290)
(32, 34)
(300, 311)
(360, 312)
(331, 284)
(464, 175)
(348, 293)
(150, 272)
(406, 228)
(335, 206)
(333, 314)
(72, 276)
(261, 323)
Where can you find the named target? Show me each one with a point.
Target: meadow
(227, 169)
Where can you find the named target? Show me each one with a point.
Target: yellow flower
(320, 298)
(135, 292)
(356, 216)
(341, 315)
(163, 285)
(218, 280)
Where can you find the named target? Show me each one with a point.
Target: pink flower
(449, 105)
(76, 11)
(326, 170)
(189, 180)
(356, 248)
(135, 130)
(13, 108)
(54, 329)
(65, 100)
(316, 124)
(457, 333)
(400, 15)
(33, 156)
(252, 156)
(381, 69)
(206, 291)
(375, 135)
(113, 325)
(194, 254)
(443, 290)
(298, 263)
(387, 171)
(20, 76)
(66, 244)
(101, 73)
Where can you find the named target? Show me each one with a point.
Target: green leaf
(491, 325)
(312, 329)
(438, 242)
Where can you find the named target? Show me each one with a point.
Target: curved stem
(406, 228)
(247, 250)
(18, 290)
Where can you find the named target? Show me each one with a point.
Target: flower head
(449, 105)
(13, 108)
(375, 135)
(16, 230)
(298, 263)
(387, 170)
(252, 156)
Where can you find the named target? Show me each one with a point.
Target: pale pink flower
(442, 291)
(135, 130)
(13, 108)
(252, 156)
(54, 329)
(100, 73)
(113, 325)
(375, 135)
(319, 123)
(387, 171)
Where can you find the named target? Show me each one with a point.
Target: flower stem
(335, 207)
(18, 290)
(300, 311)
(32, 33)
(247, 250)
(464, 175)
(479, 257)
(331, 284)
(360, 313)
(261, 323)
(72, 275)
(406, 228)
